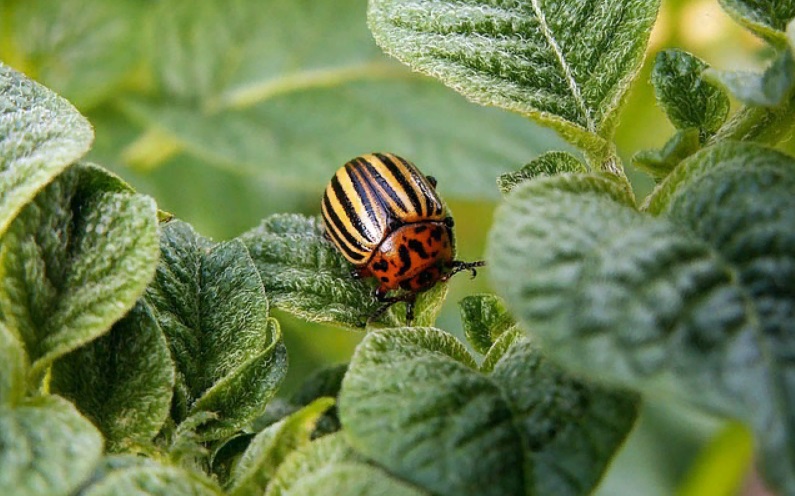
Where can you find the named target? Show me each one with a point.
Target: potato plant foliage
(139, 356)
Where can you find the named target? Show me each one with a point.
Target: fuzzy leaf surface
(304, 274)
(697, 306)
(122, 381)
(520, 427)
(42, 134)
(738, 154)
(328, 466)
(625, 315)
(688, 99)
(269, 448)
(46, 448)
(766, 19)
(484, 318)
(13, 368)
(135, 475)
(660, 163)
(74, 261)
(529, 57)
(744, 209)
(548, 164)
(210, 303)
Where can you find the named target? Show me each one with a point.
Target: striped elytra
(384, 216)
(370, 192)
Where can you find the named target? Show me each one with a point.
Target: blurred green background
(227, 111)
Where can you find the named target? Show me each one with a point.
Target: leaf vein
(575, 89)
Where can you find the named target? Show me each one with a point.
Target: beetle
(385, 217)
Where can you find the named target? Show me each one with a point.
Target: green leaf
(46, 448)
(688, 99)
(484, 318)
(233, 51)
(244, 96)
(548, 164)
(660, 163)
(614, 292)
(130, 475)
(325, 382)
(522, 428)
(329, 466)
(769, 89)
(527, 57)
(304, 274)
(572, 428)
(768, 125)
(740, 154)
(13, 368)
(269, 448)
(314, 458)
(42, 134)
(462, 145)
(122, 381)
(698, 307)
(83, 49)
(210, 302)
(743, 208)
(322, 383)
(352, 478)
(74, 261)
(766, 19)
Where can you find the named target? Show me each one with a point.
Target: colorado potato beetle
(385, 218)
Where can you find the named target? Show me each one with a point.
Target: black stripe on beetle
(361, 191)
(386, 188)
(400, 177)
(337, 231)
(432, 206)
(360, 166)
(350, 211)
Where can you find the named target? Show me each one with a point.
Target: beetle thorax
(413, 257)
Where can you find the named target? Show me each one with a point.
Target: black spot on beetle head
(417, 247)
(405, 258)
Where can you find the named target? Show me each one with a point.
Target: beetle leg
(380, 294)
(410, 310)
(431, 180)
(458, 266)
(409, 298)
